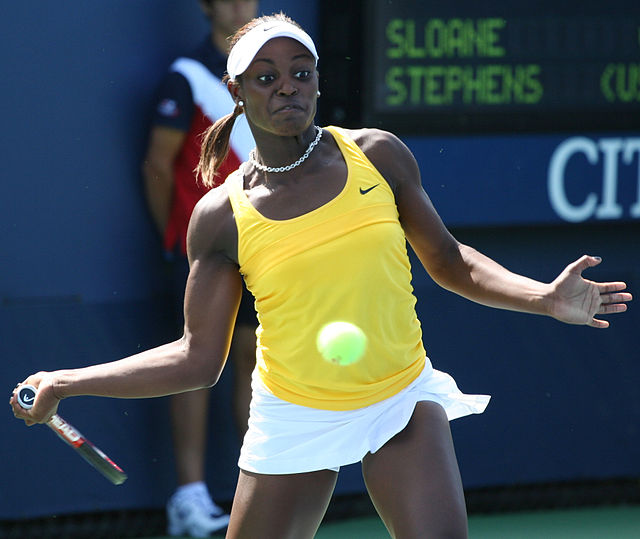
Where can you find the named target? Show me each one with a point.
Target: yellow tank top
(346, 260)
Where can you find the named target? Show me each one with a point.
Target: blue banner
(531, 179)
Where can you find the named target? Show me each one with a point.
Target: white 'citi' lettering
(606, 205)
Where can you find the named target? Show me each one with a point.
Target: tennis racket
(89, 452)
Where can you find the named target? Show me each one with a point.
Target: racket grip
(26, 396)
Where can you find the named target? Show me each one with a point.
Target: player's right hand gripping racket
(88, 451)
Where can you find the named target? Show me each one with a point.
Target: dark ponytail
(215, 147)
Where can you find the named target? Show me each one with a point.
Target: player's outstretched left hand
(576, 300)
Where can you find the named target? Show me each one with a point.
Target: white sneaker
(191, 512)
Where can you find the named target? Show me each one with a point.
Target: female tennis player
(316, 222)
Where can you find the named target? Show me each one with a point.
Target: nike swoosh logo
(365, 191)
(27, 399)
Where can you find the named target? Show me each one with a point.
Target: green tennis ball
(341, 343)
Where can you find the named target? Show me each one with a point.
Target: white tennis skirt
(285, 438)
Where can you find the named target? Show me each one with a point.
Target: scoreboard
(498, 65)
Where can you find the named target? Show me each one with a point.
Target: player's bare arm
(427, 234)
(465, 271)
(214, 286)
(194, 361)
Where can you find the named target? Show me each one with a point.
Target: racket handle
(72, 436)
(26, 396)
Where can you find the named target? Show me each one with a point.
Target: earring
(318, 94)
(241, 103)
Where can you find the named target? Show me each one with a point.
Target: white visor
(245, 50)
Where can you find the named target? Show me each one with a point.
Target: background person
(189, 100)
(316, 223)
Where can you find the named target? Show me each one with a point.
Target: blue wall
(81, 280)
